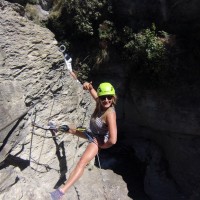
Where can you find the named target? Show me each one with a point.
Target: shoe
(56, 195)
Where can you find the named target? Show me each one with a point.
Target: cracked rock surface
(35, 86)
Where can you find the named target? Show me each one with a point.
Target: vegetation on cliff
(94, 32)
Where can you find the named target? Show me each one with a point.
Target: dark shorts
(91, 137)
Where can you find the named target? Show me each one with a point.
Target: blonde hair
(98, 105)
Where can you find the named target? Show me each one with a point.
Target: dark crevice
(122, 161)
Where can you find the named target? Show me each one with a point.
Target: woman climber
(101, 134)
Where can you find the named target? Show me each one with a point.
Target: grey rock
(35, 86)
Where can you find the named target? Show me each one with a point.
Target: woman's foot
(56, 195)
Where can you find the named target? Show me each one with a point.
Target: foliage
(107, 31)
(101, 57)
(147, 53)
(94, 20)
(84, 15)
(83, 72)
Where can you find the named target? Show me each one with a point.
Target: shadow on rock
(122, 161)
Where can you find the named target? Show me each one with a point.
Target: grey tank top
(98, 126)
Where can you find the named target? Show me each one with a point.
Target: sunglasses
(103, 98)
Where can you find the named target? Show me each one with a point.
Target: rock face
(36, 87)
(170, 118)
(171, 121)
(161, 128)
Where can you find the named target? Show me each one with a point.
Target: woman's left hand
(87, 86)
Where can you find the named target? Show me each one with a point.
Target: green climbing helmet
(105, 89)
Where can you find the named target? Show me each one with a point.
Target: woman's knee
(82, 163)
(88, 155)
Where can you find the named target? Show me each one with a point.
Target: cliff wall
(36, 87)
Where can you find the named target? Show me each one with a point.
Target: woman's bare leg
(90, 152)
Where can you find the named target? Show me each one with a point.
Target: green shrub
(107, 31)
(85, 14)
(92, 24)
(146, 53)
(83, 72)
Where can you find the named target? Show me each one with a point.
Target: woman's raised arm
(89, 87)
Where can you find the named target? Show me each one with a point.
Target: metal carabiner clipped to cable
(62, 48)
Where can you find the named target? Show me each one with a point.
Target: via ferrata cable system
(5, 149)
(56, 131)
